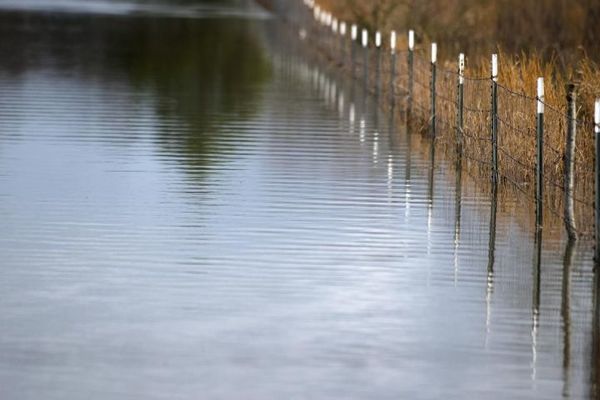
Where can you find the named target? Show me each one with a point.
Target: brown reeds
(516, 114)
(566, 28)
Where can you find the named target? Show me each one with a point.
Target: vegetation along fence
(521, 131)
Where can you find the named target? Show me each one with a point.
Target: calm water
(190, 210)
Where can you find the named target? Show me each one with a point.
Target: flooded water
(193, 209)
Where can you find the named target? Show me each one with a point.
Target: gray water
(193, 208)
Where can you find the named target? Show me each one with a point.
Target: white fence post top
(495, 67)
(461, 68)
(411, 39)
(365, 38)
(597, 116)
(433, 53)
(540, 95)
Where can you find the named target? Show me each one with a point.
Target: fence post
(570, 161)
(331, 34)
(539, 166)
(324, 18)
(315, 27)
(353, 37)
(393, 67)
(433, 82)
(334, 32)
(494, 119)
(310, 6)
(597, 182)
(365, 43)
(378, 63)
(319, 18)
(343, 42)
(411, 48)
(329, 31)
(460, 104)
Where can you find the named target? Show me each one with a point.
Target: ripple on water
(179, 215)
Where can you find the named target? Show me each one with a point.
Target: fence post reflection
(491, 258)
(565, 312)
(407, 168)
(535, 303)
(430, 194)
(457, 213)
(595, 353)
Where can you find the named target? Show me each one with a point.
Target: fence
(516, 137)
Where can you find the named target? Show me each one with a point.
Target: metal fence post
(460, 104)
(353, 37)
(324, 28)
(334, 42)
(570, 161)
(365, 43)
(393, 67)
(597, 180)
(343, 42)
(320, 20)
(411, 48)
(378, 64)
(328, 31)
(432, 87)
(494, 119)
(539, 166)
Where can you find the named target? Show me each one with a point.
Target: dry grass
(564, 27)
(516, 95)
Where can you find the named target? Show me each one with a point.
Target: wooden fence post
(569, 161)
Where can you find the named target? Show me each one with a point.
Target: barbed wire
(478, 160)
(516, 94)
(516, 114)
(514, 128)
(474, 136)
(477, 79)
(446, 99)
(477, 110)
(421, 84)
(515, 184)
(514, 159)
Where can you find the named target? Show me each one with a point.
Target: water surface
(192, 208)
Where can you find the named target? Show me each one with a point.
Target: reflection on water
(181, 9)
(566, 315)
(191, 207)
(491, 258)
